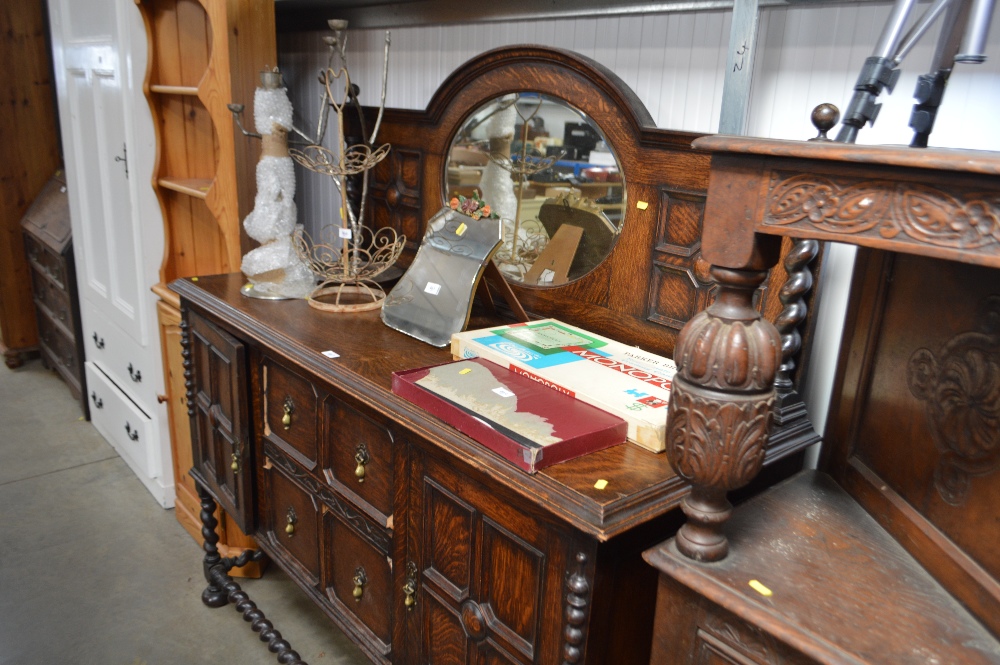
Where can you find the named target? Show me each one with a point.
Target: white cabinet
(99, 55)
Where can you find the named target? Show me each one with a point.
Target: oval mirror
(548, 171)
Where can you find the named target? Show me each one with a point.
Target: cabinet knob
(361, 458)
(286, 419)
(360, 579)
(290, 525)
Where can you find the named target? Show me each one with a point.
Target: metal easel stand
(963, 39)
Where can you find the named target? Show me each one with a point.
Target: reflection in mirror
(546, 169)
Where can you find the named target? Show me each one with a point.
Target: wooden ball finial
(824, 118)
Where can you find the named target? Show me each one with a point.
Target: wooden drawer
(52, 298)
(119, 356)
(125, 427)
(59, 348)
(291, 412)
(359, 581)
(358, 458)
(45, 260)
(291, 523)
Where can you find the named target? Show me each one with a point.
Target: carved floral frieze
(959, 218)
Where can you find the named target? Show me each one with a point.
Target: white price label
(344, 233)
(331, 354)
(503, 392)
(432, 288)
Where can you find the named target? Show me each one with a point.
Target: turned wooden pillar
(721, 407)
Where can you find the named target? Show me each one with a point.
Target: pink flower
(453, 203)
(486, 211)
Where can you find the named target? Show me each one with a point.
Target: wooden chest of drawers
(48, 241)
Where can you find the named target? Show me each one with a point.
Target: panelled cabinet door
(217, 405)
(91, 42)
(489, 578)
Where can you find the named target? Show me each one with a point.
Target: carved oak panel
(216, 376)
(484, 576)
(396, 193)
(938, 380)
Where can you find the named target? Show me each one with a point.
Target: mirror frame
(654, 280)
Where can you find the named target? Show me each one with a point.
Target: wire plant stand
(346, 257)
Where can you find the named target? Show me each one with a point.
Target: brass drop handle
(361, 458)
(292, 519)
(410, 586)
(410, 589)
(235, 466)
(360, 580)
(288, 407)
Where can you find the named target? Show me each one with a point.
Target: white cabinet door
(91, 87)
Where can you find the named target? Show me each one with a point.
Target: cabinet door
(490, 576)
(94, 44)
(217, 405)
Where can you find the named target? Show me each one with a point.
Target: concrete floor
(94, 572)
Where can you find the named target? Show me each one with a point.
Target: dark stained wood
(641, 484)
(888, 556)
(843, 590)
(216, 379)
(425, 486)
(933, 203)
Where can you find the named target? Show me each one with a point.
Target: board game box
(522, 420)
(620, 379)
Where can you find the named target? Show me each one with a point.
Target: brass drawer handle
(361, 458)
(410, 587)
(235, 466)
(292, 519)
(288, 407)
(360, 580)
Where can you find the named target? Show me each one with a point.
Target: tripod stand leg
(930, 87)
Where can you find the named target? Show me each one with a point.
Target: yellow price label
(461, 229)
(465, 371)
(760, 588)
(601, 484)
(641, 205)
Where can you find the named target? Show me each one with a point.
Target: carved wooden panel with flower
(960, 388)
(961, 218)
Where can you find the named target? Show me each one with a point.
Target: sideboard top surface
(641, 485)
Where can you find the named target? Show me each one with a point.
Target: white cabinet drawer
(124, 360)
(125, 427)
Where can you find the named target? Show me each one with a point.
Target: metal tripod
(963, 35)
